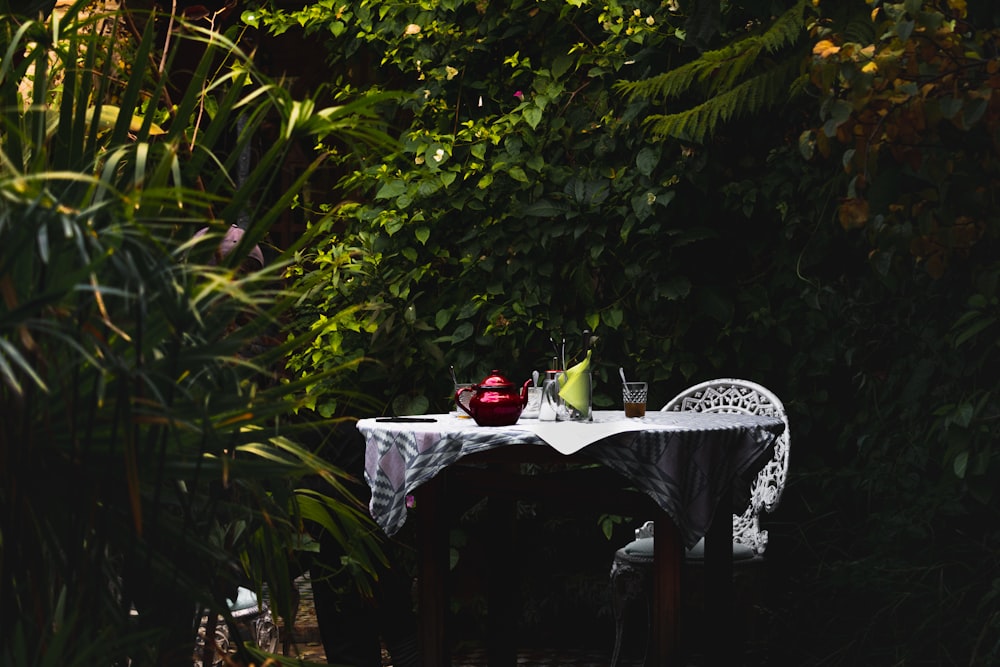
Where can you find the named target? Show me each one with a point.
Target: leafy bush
(801, 246)
(517, 209)
(146, 462)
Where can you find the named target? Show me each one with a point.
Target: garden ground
(310, 648)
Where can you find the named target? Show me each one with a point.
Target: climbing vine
(795, 192)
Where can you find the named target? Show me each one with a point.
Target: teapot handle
(458, 399)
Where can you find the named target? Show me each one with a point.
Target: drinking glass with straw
(634, 396)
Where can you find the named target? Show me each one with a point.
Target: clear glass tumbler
(634, 397)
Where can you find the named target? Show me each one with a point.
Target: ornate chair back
(730, 395)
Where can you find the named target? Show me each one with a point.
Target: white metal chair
(632, 566)
(252, 615)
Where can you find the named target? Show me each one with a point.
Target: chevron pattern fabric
(683, 460)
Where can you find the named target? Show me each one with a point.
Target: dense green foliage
(146, 460)
(516, 209)
(833, 236)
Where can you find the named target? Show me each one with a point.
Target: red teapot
(495, 400)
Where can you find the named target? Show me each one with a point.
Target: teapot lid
(496, 381)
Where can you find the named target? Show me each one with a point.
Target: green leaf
(613, 317)
(807, 144)
(977, 326)
(904, 29)
(839, 112)
(9, 351)
(544, 208)
(251, 18)
(562, 64)
(442, 318)
(640, 206)
(462, 332)
(109, 117)
(960, 465)
(646, 160)
(963, 415)
(393, 188)
(517, 173)
(533, 116)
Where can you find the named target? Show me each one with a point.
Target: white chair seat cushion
(245, 599)
(641, 550)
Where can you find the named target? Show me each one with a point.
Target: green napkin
(574, 387)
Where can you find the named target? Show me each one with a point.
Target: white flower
(650, 20)
(412, 29)
(439, 155)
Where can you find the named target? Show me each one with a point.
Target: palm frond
(134, 388)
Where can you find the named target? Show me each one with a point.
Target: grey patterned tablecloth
(683, 460)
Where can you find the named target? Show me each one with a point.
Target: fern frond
(786, 29)
(670, 84)
(751, 96)
(720, 70)
(731, 64)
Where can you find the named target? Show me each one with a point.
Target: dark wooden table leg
(721, 640)
(503, 581)
(668, 557)
(432, 584)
